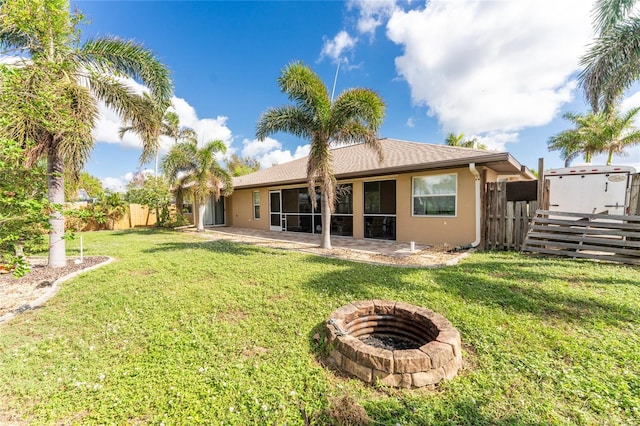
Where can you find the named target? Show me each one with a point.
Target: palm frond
(355, 132)
(76, 142)
(288, 118)
(363, 105)
(567, 143)
(215, 146)
(116, 95)
(178, 160)
(127, 58)
(304, 87)
(607, 13)
(612, 64)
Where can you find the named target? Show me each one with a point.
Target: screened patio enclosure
(291, 210)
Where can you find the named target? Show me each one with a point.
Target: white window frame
(413, 196)
(253, 202)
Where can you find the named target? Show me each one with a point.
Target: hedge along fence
(137, 215)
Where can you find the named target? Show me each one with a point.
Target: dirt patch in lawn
(19, 294)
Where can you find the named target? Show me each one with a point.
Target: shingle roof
(400, 156)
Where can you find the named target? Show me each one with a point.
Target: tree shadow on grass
(218, 246)
(533, 267)
(510, 288)
(147, 230)
(526, 292)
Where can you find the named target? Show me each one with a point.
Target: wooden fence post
(634, 196)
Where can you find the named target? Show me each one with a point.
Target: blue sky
(503, 70)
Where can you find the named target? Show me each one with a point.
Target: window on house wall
(256, 204)
(435, 195)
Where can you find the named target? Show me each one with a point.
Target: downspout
(476, 175)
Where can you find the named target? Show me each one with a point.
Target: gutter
(476, 175)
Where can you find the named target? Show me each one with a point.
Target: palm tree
(354, 117)
(197, 171)
(454, 140)
(596, 133)
(620, 132)
(459, 141)
(158, 122)
(612, 63)
(568, 143)
(50, 98)
(171, 127)
(150, 127)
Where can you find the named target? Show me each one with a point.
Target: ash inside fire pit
(390, 342)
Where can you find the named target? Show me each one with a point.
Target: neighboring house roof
(357, 161)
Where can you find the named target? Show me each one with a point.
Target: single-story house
(426, 193)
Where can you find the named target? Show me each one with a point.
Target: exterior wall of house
(453, 230)
(240, 210)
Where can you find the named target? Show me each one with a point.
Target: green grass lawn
(182, 331)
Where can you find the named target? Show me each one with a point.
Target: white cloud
(372, 14)
(491, 67)
(496, 140)
(411, 122)
(109, 123)
(335, 48)
(117, 184)
(629, 102)
(206, 128)
(269, 152)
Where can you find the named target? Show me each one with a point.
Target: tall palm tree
(612, 63)
(354, 117)
(620, 132)
(458, 140)
(568, 143)
(596, 133)
(196, 170)
(150, 127)
(50, 98)
(454, 140)
(171, 127)
(585, 138)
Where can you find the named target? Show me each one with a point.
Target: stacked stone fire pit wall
(437, 356)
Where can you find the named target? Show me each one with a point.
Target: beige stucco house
(430, 194)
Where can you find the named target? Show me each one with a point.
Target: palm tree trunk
(610, 157)
(55, 184)
(179, 203)
(326, 224)
(201, 208)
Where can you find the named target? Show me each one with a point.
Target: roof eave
(488, 160)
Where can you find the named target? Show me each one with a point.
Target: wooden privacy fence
(137, 216)
(606, 237)
(508, 210)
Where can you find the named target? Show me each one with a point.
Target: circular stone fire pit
(401, 345)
